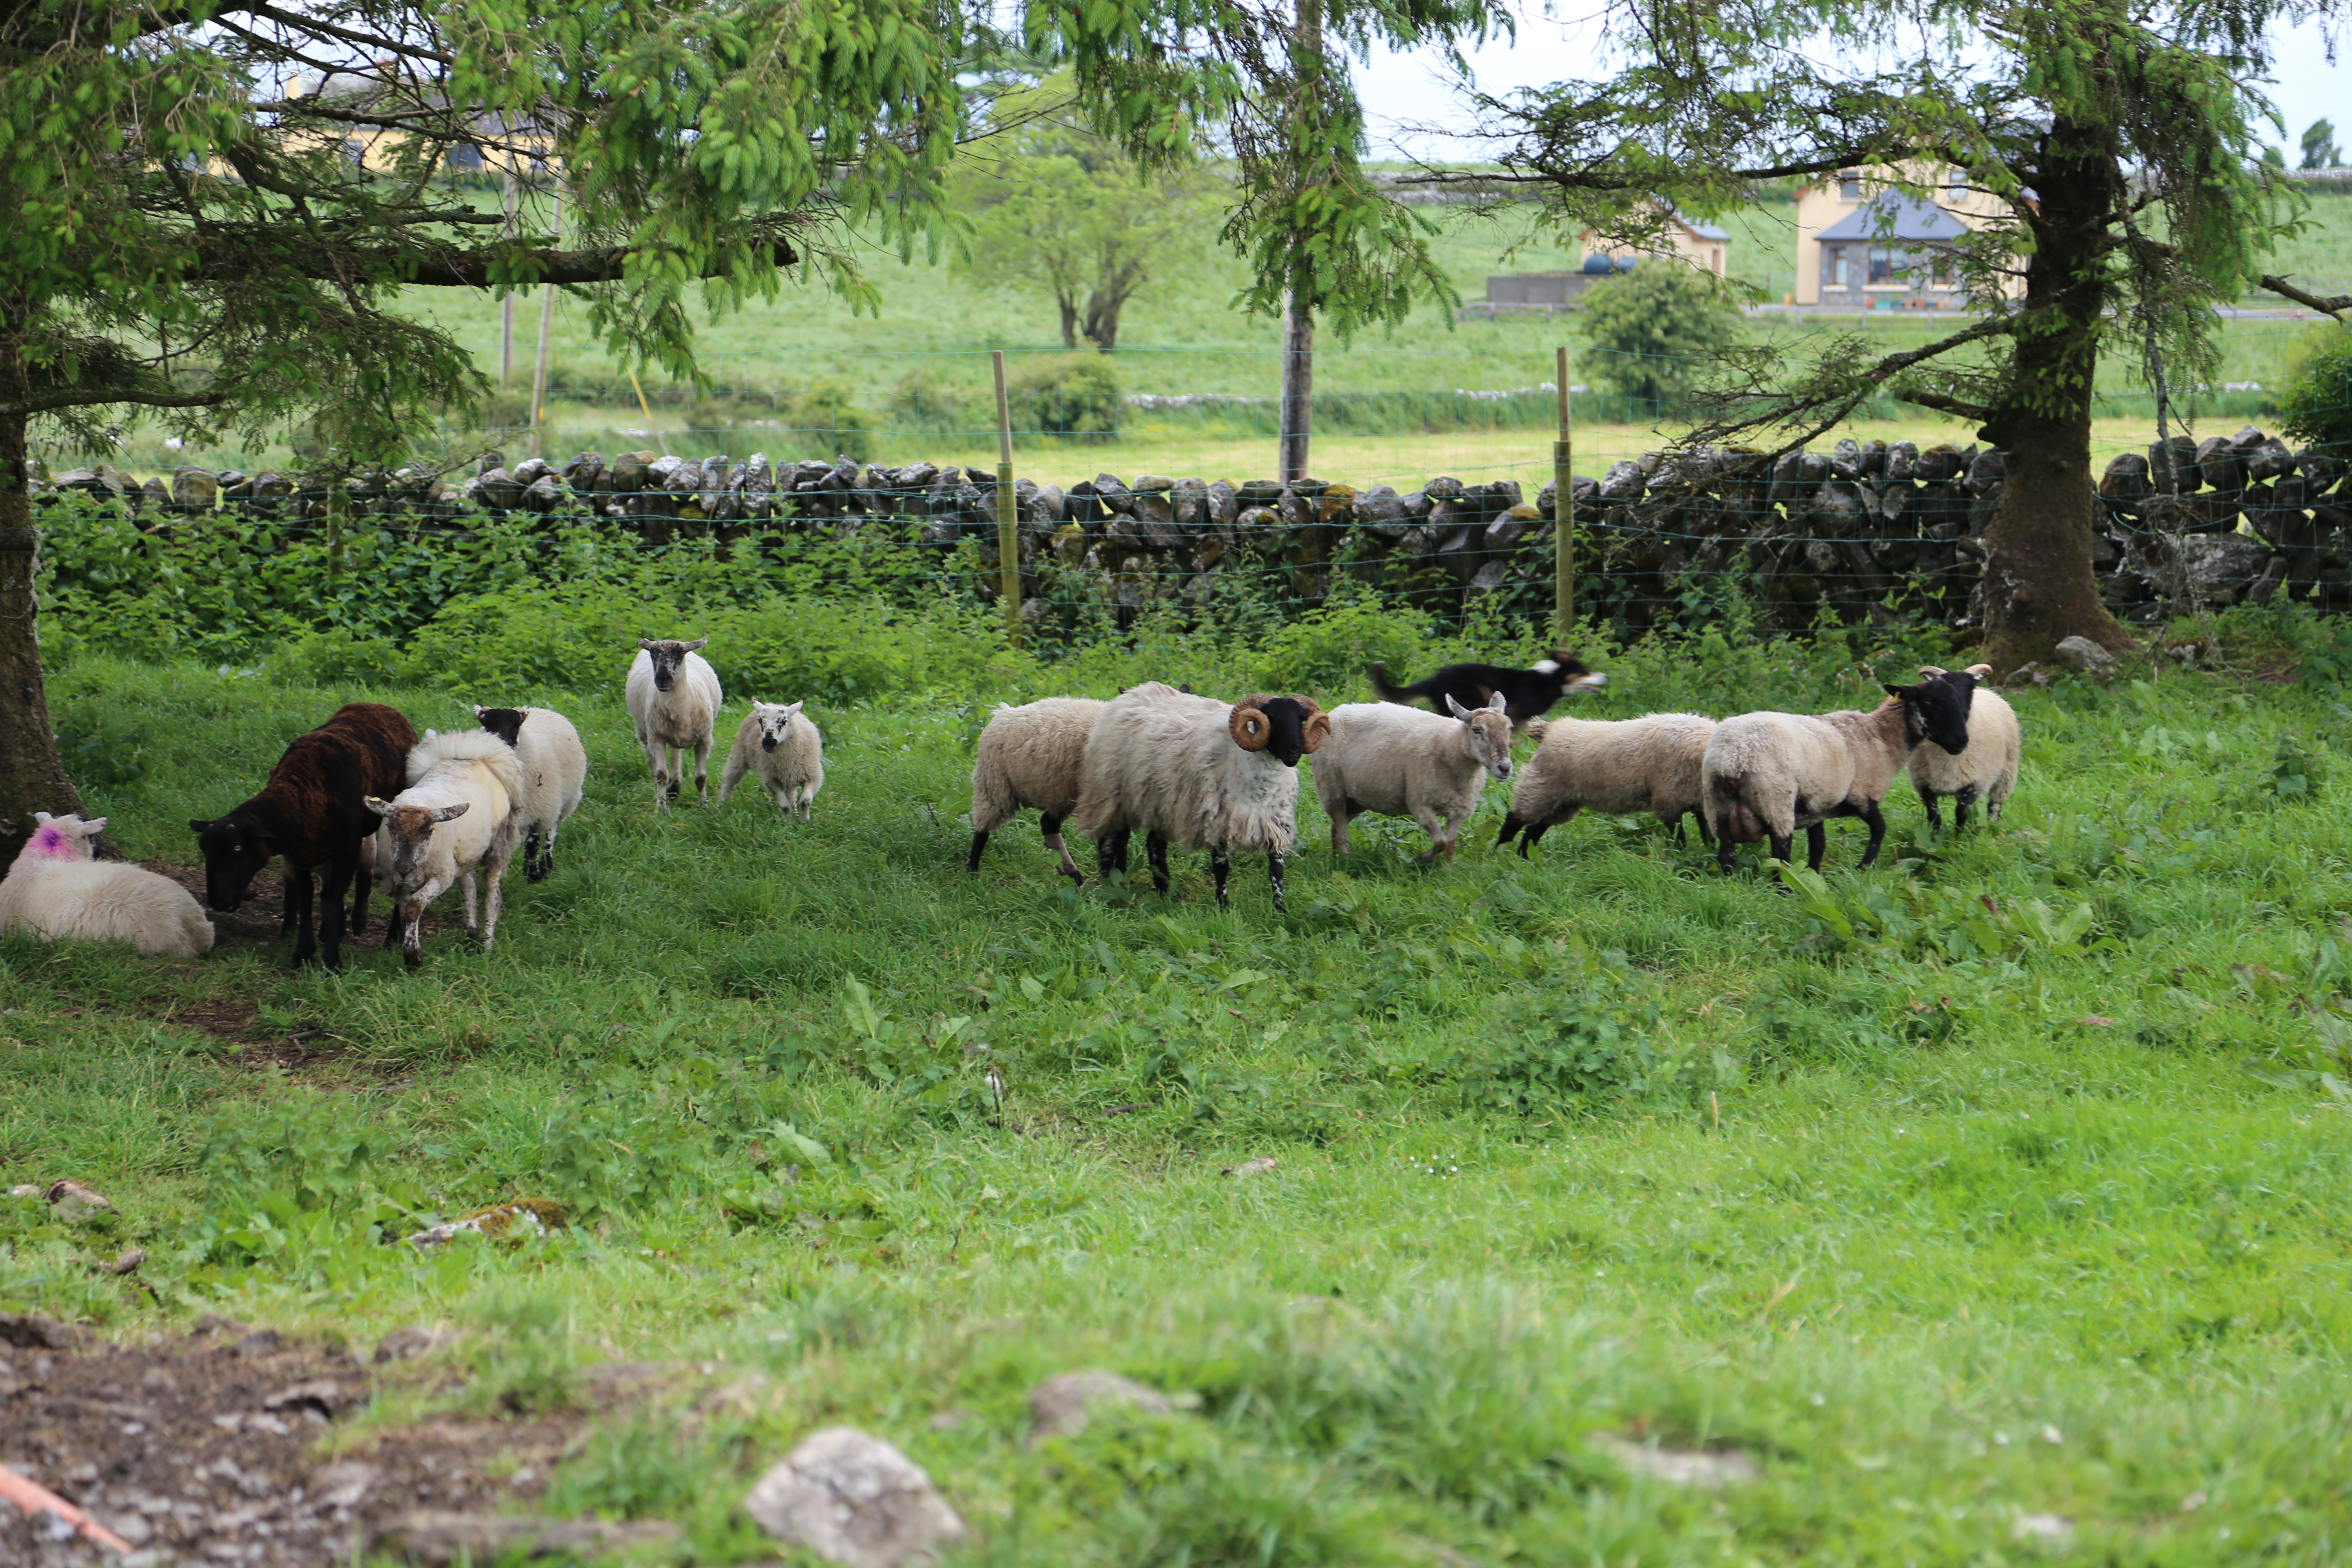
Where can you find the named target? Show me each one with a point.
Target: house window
(1886, 264)
(1849, 187)
(1956, 182)
(1940, 268)
(1838, 274)
(466, 158)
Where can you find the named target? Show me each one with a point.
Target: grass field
(1994, 1188)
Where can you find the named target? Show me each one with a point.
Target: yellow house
(1699, 244)
(377, 149)
(1863, 243)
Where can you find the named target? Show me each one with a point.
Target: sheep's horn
(1316, 729)
(1250, 727)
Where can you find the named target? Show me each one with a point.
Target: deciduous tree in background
(1655, 332)
(2319, 148)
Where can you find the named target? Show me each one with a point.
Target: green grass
(1966, 1215)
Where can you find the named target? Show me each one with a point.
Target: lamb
(314, 812)
(554, 771)
(1192, 772)
(784, 750)
(1030, 756)
(1621, 766)
(57, 888)
(470, 778)
(675, 697)
(1402, 761)
(1528, 694)
(1986, 771)
(1770, 773)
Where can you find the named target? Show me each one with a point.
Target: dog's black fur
(1527, 693)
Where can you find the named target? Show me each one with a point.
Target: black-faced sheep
(778, 745)
(1031, 756)
(1192, 772)
(554, 771)
(1402, 761)
(674, 696)
(1619, 766)
(1986, 771)
(1527, 694)
(457, 815)
(1767, 774)
(56, 890)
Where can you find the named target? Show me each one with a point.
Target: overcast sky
(1408, 90)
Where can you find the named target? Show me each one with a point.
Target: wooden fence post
(1563, 509)
(1008, 546)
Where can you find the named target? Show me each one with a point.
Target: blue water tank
(1627, 263)
(1597, 264)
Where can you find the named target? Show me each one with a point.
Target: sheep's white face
(410, 830)
(775, 720)
(1487, 732)
(669, 657)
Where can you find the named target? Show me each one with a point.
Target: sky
(1406, 93)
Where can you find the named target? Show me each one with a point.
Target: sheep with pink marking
(57, 889)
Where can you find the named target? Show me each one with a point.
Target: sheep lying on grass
(1767, 774)
(1401, 761)
(554, 771)
(57, 889)
(675, 697)
(1986, 771)
(1031, 756)
(1619, 766)
(457, 815)
(784, 751)
(1192, 772)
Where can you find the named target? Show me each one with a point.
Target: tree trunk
(31, 777)
(2039, 587)
(1069, 305)
(1102, 320)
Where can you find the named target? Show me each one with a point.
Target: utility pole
(546, 322)
(1298, 307)
(506, 306)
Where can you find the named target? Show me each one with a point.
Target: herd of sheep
(365, 802)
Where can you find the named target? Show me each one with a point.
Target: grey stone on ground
(1060, 1405)
(855, 1499)
(434, 1537)
(406, 1343)
(1709, 1469)
(35, 1332)
(2086, 656)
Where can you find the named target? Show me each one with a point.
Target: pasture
(1991, 1204)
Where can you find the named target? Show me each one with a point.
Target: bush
(1075, 397)
(827, 410)
(1655, 328)
(2318, 404)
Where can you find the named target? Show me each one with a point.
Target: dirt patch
(204, 1448)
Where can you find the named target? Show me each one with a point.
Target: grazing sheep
(784, 750)
(673, 696)
(554, 771)
(1030, 756)
(1767, 774)
(1527, 694)
(1192, 772)
(1402, 761)
(56, 890)
(458, 813)
(1986, 771)
(1619, 766)
(314, 812)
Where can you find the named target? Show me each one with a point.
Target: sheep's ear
(696, 643)
(794, 711)
(44, 818)
(93, 828)
(646, 644)
(479, 710)
(1456, 708)
(1901, 692)
(1498, 703)
(196, 823)
(1249, 726)
(1316, 731)
(450, 813)
(380, 808)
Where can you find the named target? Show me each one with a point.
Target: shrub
(1655, 329)
(829, 411)
(2317, 404)
(1072, 395)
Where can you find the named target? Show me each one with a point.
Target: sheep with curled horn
(1197, 774)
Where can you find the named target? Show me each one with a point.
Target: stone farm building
(1701, 244)
(1864, 243)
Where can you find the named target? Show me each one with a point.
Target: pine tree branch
(2334, 305)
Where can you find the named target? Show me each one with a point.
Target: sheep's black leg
(1221, 866)
(538, 857)
(1705, 837)
(979, 843)
(1274, 869)
(1725, 852)
(1110, 852)
(1877, 820)
(362, 884)
(1781, 844)
(1961, 803)
(1155, 849)
(1533, 834)
(1934, 811)
(298, 887)
(1511, 826)
(289, 906)
(1817, 840)
(333, 887)
(1682, 835)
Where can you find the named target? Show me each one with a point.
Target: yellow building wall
(1827, 201)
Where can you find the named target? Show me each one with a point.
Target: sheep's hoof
(411, 957)
(537, 873)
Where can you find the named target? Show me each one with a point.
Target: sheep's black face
(669, 657)
(1936, 710)
(1286, 718)
(233, 854)
(505, 723)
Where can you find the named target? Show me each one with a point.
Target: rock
(433, 1537)
(2220, 465)
(344, 1483)
(2183, 476)
(1059, 1406)
(74, 1204)
(1940, 464)
(2086, 656)
(1902, 462)
(2042, 1529)
(323, 1394)
(2268, 459)
(1258, 1167)
(35, 1332)
(259, 1343)
(409, 1343)
(195, 490)
(1623, 481)
(128, 1262)
(2223, 567)
(507, 1223)
(854, 1500)
(1710, 1469)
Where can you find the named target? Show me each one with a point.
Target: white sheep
(554, 771)
(1195, 773)
(674, 696)
(57, 888)
(1767, 774)
(457, 815)
(1986, 771)
(1030, 756)
(1619, 766)
(1405, 762)
(784, 750)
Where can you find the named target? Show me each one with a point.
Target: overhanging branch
(101, 396)
(2335, 305)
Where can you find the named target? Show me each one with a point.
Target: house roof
(1893, 214)
(1704, 230)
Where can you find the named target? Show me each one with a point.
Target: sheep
(675, 697)
(1528, 694)
(1621, 766)
(313, 811)
(1198, 773)
(469, 777)
(57, 888)
(1030, 756)
(554, 771)
(784, 750)
(1770, 773)
(1986, 771)
(1402, 761)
